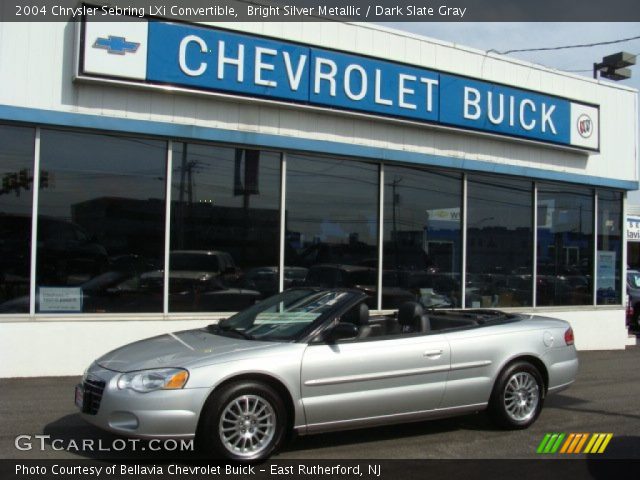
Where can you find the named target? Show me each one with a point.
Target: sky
(507, 36)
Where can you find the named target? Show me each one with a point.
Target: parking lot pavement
(605, 398)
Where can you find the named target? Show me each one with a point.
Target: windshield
(283, 316)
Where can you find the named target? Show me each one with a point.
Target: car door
(476, 357)
(369, 381)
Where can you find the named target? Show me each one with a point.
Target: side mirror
(342, 331)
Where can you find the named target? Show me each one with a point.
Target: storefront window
(332, 224)
(499, 242)
(225, 227)
(16, 194)
(422, 237)
(100, 223)
(609, 274)
(565, 245)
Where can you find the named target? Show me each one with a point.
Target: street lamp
(614, 66)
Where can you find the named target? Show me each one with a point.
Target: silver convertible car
(314, 360)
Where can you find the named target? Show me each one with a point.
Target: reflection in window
(609, 275)
(422, 237)
(332, 222)
(225, 227)
(100, 223)
(16, 194)
(565, 245)
(499, 242)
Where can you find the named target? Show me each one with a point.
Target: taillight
(568, 336)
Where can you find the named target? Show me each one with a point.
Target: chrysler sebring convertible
(312, 360)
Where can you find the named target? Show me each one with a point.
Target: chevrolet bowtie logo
(116, 45)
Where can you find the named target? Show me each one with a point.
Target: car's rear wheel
(517, 397)
(244, 421)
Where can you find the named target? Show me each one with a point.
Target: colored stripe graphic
(605, 443)
(567, 443)
(550, 443)
(543, 443)
(581, 442)
(556, 446)
(598, 443)
(594, 437)
(574, 443)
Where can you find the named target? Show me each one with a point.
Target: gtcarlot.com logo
(574, 443)
(46, 442)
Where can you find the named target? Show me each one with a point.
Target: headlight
(144, 381)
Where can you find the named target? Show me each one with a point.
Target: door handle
(432, 353)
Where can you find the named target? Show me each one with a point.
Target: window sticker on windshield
(285, 317)
(325, 301)
(335, 299)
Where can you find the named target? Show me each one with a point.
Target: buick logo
(585, 125)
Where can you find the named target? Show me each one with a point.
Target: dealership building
(157, 176)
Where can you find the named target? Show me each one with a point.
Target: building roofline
(493, 55)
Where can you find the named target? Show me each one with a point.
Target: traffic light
(614, 66)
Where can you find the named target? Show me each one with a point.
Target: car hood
(180, 349)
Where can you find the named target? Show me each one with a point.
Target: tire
(223, 432)
(517, 397)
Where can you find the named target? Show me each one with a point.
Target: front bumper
(158, 414)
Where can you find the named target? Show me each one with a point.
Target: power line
(584, 45)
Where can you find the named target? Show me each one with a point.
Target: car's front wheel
(244, 421)
(517, 396)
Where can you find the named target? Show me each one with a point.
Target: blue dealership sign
(217, 61)
(372, 86)
(504, 110)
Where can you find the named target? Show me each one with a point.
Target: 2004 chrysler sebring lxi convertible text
(314, 360)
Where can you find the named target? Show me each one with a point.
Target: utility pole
(394, 195)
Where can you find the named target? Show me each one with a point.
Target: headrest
(358, 315)
(409, 312)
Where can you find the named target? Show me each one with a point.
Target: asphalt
(605, 398)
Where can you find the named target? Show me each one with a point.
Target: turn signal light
(179, 379)
(568, 336)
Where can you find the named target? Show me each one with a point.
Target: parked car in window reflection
(67, 253)
(356, 253)
(112, 291)
(563, 285)
(633, 292)
(213, 262)
(360, 278)
(199, 291)
(265, 279)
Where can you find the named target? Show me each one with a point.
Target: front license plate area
(79, 396)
